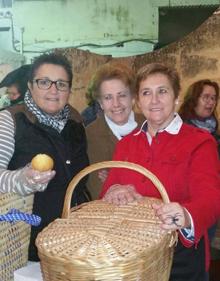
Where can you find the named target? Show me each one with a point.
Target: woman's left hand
(172, 215)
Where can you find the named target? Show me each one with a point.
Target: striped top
(12, 181)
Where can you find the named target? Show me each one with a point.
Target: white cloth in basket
(30, 272)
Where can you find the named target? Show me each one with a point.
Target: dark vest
(68, 150)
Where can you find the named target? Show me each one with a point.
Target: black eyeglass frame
(51, 82)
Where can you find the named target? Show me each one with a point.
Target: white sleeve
(189, 233)
(10, 181)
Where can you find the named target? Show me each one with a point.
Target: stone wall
(195, 57)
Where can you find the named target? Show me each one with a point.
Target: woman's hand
(121, 194)
(36, 180)
(172, 215)
(102, 174)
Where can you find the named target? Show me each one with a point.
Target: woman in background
(199, 109)
(199, 105)
(16, 84)
(112, 86)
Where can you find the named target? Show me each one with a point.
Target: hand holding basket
(102, 241)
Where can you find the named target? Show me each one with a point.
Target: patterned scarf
(208, 123)
(57, 121)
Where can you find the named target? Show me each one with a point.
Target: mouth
(52, 99)
(209, 108)
(155, 109)
(118, 112)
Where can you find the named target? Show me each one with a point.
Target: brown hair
(107, 72)
(187, 109)
(153, 68)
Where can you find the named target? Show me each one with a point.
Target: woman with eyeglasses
(198, 109)
(44, 124)
(199, 105)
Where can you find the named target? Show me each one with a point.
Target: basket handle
(110, 164)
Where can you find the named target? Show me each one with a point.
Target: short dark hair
(154, 68)
(51, 58)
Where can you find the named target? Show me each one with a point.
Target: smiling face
(116, 100)
(157, 101)
(51, 100)
(206, 102)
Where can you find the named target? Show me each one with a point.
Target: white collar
(173, 128)
(122, 130)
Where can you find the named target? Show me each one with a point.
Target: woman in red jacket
(184, 158)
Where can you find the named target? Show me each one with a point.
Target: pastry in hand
(42, 163)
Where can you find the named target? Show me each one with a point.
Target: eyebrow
(208, 94)
(47, 78)
(118, 93)
(162, 86)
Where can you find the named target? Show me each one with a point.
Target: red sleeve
(204, 187)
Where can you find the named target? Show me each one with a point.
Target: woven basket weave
(102, 241)
(14, 237)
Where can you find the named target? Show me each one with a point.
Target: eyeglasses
(45, 84)
(206, 98)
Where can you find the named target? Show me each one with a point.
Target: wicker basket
(14, 237)
(102, 241)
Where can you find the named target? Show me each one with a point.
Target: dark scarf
(57, 121)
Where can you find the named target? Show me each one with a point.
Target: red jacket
(188, 166)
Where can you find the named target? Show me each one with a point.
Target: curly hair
(51, 58)
(105, 72)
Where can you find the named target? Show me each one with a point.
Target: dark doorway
(176, 22)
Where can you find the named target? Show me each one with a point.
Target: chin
(51, 112)
(119, 122)
(206, 115)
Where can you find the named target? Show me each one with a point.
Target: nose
(211, 102)
(116, 101)
(53, 87)
(154, 98)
